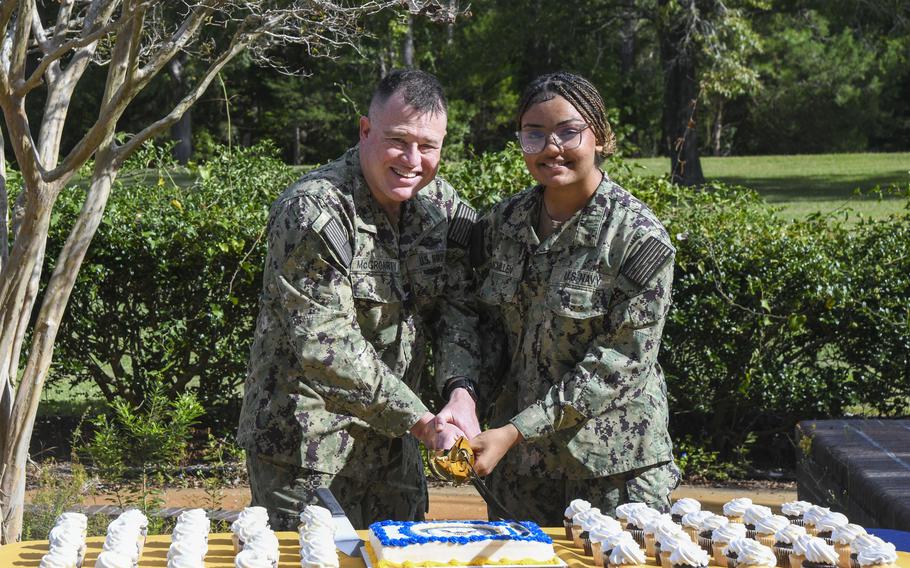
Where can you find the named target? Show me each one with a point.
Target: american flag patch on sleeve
(646, 261)
(337, 239)
(460, 225)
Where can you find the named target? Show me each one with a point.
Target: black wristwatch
(460, 383)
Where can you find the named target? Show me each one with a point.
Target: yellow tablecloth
(221, 552)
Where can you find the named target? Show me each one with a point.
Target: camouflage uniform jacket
(348, 302)
(582, 315)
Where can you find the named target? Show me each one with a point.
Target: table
(221, 552)
(860, 467)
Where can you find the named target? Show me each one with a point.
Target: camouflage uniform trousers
(544, 500)
(285, 489)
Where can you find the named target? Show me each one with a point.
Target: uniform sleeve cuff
(400, 414)
(532, 422)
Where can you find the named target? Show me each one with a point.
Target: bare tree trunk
(182, 130)
(28, 255)
(680, 100)
(407, 50)
(627, 36)
(54, 303)
(295, 146)
(718, 126)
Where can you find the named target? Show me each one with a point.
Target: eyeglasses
(534, 140)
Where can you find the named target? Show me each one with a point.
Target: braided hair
(582, 95)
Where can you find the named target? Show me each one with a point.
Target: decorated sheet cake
(460, 543)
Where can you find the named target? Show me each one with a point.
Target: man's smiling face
(399, 150)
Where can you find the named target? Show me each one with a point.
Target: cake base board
(370, 560)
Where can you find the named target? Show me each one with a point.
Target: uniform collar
(582, 229)
(418, 216)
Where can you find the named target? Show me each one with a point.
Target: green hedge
(773, 321)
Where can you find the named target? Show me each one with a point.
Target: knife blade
(488, 496)
(346, 538)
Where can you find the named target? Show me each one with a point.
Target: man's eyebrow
(398, 133)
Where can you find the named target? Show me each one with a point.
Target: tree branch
(19, 55)
(23, 87)
(6, 13)
(125, 150)
(178, 41)
(38, 30)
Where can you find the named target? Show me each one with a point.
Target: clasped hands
(459, 418)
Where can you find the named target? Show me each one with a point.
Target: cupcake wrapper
(796, 560)
(843, 555)
(665, 559)
(783, 556)
(238, 544)
(767, 540)
(598, 554)
(638, 535)
(706, 544)
(576, 536)
(718, 554)
(568, 526)
(649, 545)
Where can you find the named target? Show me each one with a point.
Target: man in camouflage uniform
(361, 272)
(583, 393)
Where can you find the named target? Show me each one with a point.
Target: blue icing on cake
(529, 532)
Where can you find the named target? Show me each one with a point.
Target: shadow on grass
(820, 188)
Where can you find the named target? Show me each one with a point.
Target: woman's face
(556, 167)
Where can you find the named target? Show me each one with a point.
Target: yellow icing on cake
(478, 561)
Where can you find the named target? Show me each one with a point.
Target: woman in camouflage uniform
(577, 275)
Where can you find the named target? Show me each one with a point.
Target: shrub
(773, 321)
(137, 448)
(168, 290)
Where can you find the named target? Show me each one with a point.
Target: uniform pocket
(427, 273)
(374, 287)
(577, 303)
(498, 288)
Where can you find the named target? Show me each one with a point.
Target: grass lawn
(805, 184)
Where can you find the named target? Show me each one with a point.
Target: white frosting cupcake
(627, 553)
(794, 510)
(812, 515)
(864, 540)
(878, 554)
(687, 553)
(735, 508)
(752, 553)
(767, 527)
(626, 509)
(728, 532)
(58, 558)
(820, 552)
(576, 506)
(247, 558)
(754, 513)
(826, 523)
(694, 520)
(846, 534)
(787, 535)
(683, 507)
(113, 559)
(265, 543)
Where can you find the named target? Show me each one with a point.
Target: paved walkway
(446, 502)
